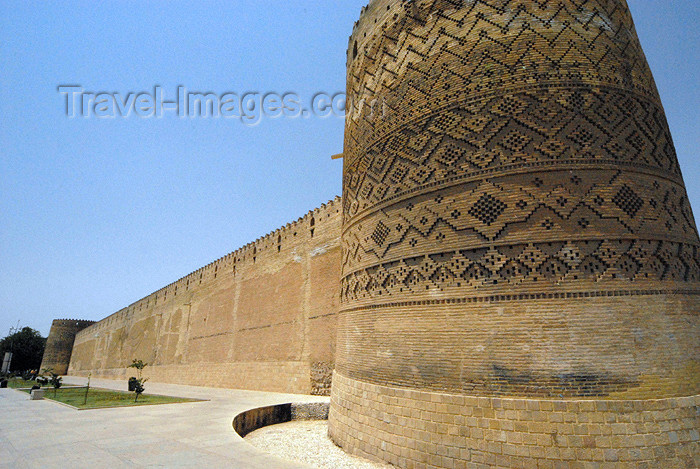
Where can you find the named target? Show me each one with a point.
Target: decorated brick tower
(520, 269)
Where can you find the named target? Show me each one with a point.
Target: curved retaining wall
(419, 429)
(260, 417)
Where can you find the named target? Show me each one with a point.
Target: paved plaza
(198, 434)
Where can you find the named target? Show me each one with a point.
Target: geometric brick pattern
(562, 264)
(473, 139)
(487, 209)
(522, 150)
(591, 204)
(628, 201)
(515, 222)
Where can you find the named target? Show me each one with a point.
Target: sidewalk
(198, 434)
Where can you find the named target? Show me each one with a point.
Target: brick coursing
(515, 225)
(421, 429)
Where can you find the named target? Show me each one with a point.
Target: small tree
(138, 389)
(87, 389)
(55, 380)
(140, 380)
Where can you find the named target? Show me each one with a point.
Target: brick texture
(420, 429)
(515, 225)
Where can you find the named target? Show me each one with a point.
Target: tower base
(418, 429)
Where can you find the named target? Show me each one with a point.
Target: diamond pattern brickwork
(515, 220)
(522, 151)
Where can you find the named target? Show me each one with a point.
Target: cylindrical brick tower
(521, 266)
(59, 344)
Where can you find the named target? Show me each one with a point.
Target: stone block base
(415, 429)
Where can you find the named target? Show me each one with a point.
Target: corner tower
(59, 344)
(520, 260)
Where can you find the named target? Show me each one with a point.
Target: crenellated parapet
(372, 18)
(263, 316)
(274, 243)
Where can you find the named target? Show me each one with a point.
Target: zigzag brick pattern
(515, 226)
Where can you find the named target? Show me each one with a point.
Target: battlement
(59, 344)
(371, 17)
(72, 323)
(308, 226)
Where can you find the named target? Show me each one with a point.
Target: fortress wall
(260, 318)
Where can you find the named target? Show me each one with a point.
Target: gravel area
(307, 442)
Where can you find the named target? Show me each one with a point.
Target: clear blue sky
(95, 214)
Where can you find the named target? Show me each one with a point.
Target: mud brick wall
(515, 221)
(260, 318)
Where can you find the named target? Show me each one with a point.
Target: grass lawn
(20, 383)
(98, 398)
